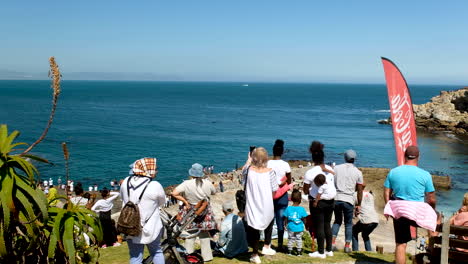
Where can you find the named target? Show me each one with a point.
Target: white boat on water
(245, 84)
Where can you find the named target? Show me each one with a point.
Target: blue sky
(290, 41)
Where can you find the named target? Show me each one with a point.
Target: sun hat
(196, 170)
(412, 152)
(228, 207)
(350, 154)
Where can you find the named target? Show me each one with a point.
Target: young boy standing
(294, 216)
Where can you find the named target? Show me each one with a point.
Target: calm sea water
(108, 125)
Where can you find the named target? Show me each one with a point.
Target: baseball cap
(228, 207)
(412, 152)
(350, 154)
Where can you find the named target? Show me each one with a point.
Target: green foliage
(23, 207)
(31, 231)
(68, 226)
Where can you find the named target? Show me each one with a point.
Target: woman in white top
(141, 179)
(259, 211)
(283, 176)
(322, 212)
(103, 207)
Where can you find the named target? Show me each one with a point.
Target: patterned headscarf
(144, 167)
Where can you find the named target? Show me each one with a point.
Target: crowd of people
(271, 198)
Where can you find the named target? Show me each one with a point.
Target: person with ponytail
(321, 210)
(190, 192)
(280, 199)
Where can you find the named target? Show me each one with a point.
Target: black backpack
(240, 194)
(129, 220)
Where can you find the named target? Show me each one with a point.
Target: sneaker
(104, 246)
(255, 259)
(116, 244)
(316, 254)
(334, 248)
(329, 253)
(299, 252)
(268, 251)
(347, 250)
(289, 252)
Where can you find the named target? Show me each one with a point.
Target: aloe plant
(31, 231)
(23, 206)
(68, 227)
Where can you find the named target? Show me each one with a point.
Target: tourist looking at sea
(406, 183)
(190, 192)
(261, 184)
(322, 213)
(103, 208)
(283, 177)
(348, 179)
(368, 219)
(141, 180)
(232, 239)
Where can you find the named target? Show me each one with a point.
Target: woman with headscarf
(141, 183)
(322, 211)
(261, 184)
(190, 192)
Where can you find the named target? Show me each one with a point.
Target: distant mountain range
(15, 75)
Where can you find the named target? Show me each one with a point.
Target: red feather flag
(401, 109)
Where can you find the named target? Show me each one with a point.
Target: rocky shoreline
(445, 112)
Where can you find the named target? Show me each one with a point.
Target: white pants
(205, 239)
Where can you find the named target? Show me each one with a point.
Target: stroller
(174, 253)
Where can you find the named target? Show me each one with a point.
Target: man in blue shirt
(232, 240)
(408, 182)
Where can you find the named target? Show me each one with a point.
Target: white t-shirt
(259, 209)
(194, 193)
(105, 205)
(280, 167)
(152, 199)
(310, 176)
(327, 192)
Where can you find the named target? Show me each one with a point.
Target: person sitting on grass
(232, 240)
(294, 217)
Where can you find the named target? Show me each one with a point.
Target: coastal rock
(445, 112)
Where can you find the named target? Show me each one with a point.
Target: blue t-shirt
(294, 214)
(409, 183)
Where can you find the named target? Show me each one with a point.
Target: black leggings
(321, 219)
(255, 236)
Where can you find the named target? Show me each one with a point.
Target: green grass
(119, 255)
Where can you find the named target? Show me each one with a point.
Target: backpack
(241, 199)
(129, 220)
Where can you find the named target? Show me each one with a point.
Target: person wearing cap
(232, 240)
(348, 179)
(190, 192)
(408, 182)
(141, 183)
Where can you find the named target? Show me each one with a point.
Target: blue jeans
(343, 209)
(366, 229)
(280, 205)
(154, 248)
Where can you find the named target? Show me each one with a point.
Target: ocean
(109, 124)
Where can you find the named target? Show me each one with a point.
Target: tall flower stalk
(54, 73)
